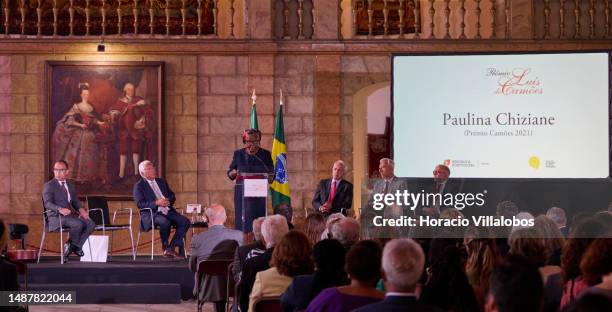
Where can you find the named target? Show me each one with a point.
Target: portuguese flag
(280, 186)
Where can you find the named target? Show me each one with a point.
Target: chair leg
(110, 254)
(42, 242)
(152, 242)
(136, 249)
(90, 253)
(61, 244)
(132, 241)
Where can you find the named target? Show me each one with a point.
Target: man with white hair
(155, 193)
(403, 261)
(273, 229)
(558, 216)
(388, 184)
(217, 243)
(346, 231)
(335, 194)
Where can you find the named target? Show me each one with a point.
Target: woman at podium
(250, 162)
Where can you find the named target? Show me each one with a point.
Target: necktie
(438, 187)
(158, 195)
(65, 188)
(386, 187)
(332, 193)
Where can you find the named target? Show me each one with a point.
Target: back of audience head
(597, 261)
(548, 231)
(257, 228)
(526, 243)
(363, 262)
(523, 215)
(557, 215)
(215, 214)
(346, 231)
(291, 254)
(451, 213)
(329, 255)
(507, 209)
(402, 265)
(273, 229)
(314, 227)
(580, 238)
(516, 285)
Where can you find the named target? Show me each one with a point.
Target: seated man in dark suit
(335, 194)
(155, 193)
(273, 229)
(218, 243)
(441, 185)
(403, 262)
(59, 196)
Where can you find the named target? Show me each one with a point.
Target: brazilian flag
(280, 186)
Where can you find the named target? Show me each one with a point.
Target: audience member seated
(579, 240)
(506, 209)
(402, 265)
(363, 267)
(523, 215)
(217, 243)
(291, 257)
(249, 251)
(447, 287)
(516, 285)
(482, 258)
(314, 227)
(596, 266)
(552, 236)
(590, 302)
(346, 231)
(328, 256)
(273, 229)
(8, 270)
(335, 194)
(557, 215)
(526, 243)
(333, 218)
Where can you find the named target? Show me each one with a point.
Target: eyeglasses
(251, 141)
(60, 170)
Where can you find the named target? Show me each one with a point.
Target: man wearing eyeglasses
(59, 196)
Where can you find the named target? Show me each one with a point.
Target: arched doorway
(371, 115)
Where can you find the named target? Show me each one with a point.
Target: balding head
(403, 261)
(346, 231)
(215, 214)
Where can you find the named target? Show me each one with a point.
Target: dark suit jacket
(302, 289)
(241, 254)
(398, 303)
(145, 198)
(342, 199)
(250, 269)
(55, 198)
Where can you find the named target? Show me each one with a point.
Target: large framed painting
(104, 118)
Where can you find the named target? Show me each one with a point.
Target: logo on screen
(516, 81)
(534, 162)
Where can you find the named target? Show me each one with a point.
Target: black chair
(153, 228)
(19, 231)
(98, 212)
(219, 268)
(267, 304)
(59, 230)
